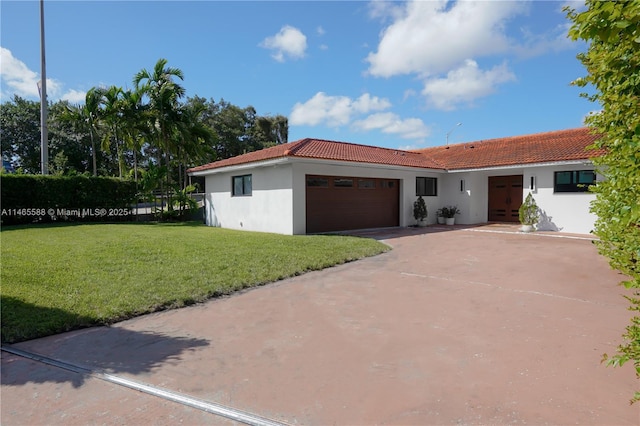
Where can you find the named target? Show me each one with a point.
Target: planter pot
(441, 220)
(527, 228)
(422, 223)
(450, 221)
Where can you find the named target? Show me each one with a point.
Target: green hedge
(37, 198)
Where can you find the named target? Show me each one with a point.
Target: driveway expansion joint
(209, 407)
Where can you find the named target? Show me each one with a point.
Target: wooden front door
(505, 198)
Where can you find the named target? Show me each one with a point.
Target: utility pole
(44, 141)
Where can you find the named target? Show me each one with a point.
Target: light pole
(449, 132)
(44, 144)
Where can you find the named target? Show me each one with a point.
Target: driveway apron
(454, 325)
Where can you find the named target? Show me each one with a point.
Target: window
(366, 184)
(317, 182)
(574, 181)
(342, 183)
(427, 186)
(241, 185)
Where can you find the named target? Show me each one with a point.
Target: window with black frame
(241, 185)
(573, 181)
(426, 186)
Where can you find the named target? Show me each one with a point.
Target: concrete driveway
(467, 326)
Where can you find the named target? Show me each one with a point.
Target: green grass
(63, 277)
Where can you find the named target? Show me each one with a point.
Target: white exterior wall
(278, 203)
(406, 175)
(268, 209)
(471, 200)
(565, 211)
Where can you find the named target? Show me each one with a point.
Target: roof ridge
(359, 145)
(559, 145)
(526, 135)
(297, 146)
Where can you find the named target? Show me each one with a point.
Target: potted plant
(441, 214)
(450, 214)
(420, 211)
(528, 214)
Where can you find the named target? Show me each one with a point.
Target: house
(312, 185)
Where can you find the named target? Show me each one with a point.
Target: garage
(339, 203)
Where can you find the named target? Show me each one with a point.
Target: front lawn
(57, 278)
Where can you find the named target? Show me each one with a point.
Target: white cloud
(334, 111)
(390, 123)
(366, 103)
(432, 37)
(385, 10)
(409, 93)
(22, 81)
(465, 84)
(74, 96)
(288, 42)
(538, 44)
(17, 76)
(320, 31)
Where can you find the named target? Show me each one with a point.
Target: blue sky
(391, 74)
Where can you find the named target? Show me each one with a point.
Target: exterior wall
(563, 211)
(471, 200)
(268, 209)
(278, 204)
(566, 212)
(406, 176)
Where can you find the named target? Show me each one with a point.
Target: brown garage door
(338, 203)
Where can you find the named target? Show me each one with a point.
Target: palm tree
(111, 101)
(133, 124)
(89, 115)
(91, 112)
(164, 95)
(195, 139)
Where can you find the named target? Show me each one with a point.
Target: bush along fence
(46, 199)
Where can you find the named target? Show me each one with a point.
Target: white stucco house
(312, 186)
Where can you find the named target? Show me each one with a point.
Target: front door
(505, 198)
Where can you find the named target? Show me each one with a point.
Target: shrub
(33, 198)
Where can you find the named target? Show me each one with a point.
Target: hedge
(38, 198)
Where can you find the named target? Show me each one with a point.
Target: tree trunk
(93, 153)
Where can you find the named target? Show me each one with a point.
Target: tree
(164, 95)
(134, 124)
(20, 133)
(112, 112)
(196, 139)
(612, 61)
(86, 117)
(69, 142)
(149, 125)
(272, 130)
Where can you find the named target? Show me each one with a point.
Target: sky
(402, 75)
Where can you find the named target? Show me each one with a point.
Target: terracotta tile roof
(548, 147)
(329, 150)
(251, 157)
